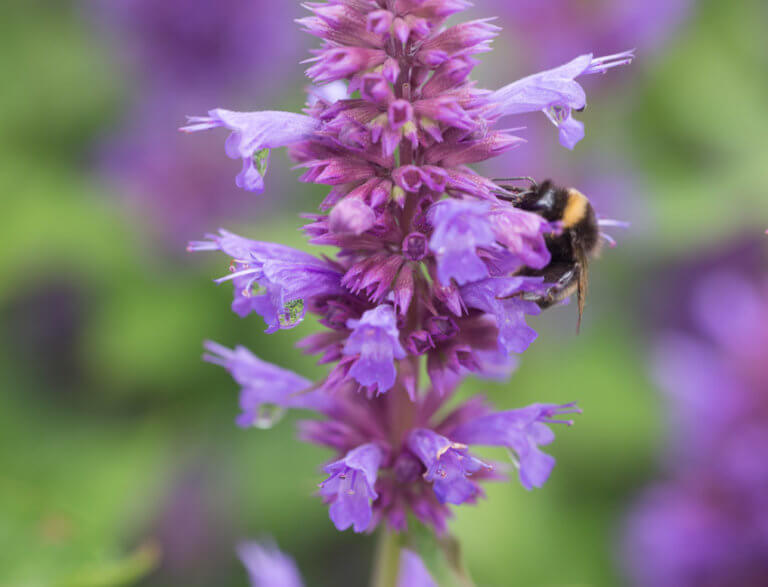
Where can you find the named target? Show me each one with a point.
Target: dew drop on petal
(268, 415)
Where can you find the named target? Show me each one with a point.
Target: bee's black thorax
(569, 248)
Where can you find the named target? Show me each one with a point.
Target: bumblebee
(571, 249)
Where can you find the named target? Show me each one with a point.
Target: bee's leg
(515, 196)
(563, 279)
(513, 193)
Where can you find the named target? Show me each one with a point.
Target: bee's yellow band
(575, 208)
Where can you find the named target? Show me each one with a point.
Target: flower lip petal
(350, 487)
(375, 341)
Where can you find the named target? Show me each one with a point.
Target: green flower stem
(386, 565)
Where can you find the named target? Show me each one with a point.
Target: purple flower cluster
(706, 524)
(427, 273)
(267, 566)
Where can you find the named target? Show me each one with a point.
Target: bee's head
(546, 199)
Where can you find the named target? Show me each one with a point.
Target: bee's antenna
(530, 180)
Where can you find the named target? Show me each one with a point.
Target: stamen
(237, 274)
(566, 422)
(209, 358)
(609, 222)
(613, 223)
(573, 410)
(603, 64)
(195, 246)
(609, 239)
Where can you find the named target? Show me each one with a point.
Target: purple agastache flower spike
(706, 520)
(429, 269)
(556, 93)
(350, 487)
(253, 133)
(268, 566)
(449, 466)
(460, 227)
(522, 431)
(375, 341)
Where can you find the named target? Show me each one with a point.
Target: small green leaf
(441, 556)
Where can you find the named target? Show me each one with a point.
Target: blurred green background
(121, 464)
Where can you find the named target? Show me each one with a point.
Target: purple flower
(449, 466)
(504, 298)
(689, 532)
(351, 216)
(522, 234)
(265, 385)
(192, 524)
(522, 431)
(375, 341)
(460, 227)
(350, 487)
(337, 63)
(706, 522)
(413, 572)
(287, 276)
(268, 566)
(556, 93)
(253, 134)
(428, 261)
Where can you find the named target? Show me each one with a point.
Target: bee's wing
(583, 286)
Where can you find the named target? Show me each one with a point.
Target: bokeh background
(120, 462)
